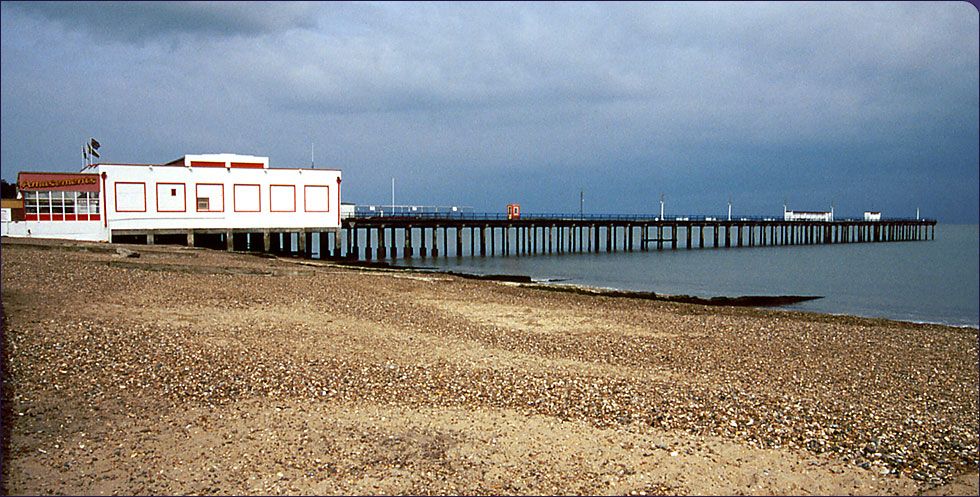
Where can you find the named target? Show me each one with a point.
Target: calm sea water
(933, 281)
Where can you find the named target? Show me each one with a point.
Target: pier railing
(557, 216)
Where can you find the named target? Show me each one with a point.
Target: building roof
(221, 160)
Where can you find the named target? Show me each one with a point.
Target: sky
(604, 107)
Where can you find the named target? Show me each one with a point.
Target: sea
(930, 281)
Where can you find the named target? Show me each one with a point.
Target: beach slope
(189, 371)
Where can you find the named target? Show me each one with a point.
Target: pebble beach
(141, 370)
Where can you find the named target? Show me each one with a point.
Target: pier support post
(190, 238)
(483, 241)
(367, 244)
(229, 240)
(394, 243)
(435, 241)
(459, 242)
(334, 248)
(355, 252)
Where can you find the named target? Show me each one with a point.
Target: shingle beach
(191, 371)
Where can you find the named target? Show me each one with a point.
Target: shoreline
(774, 302)
(759, 301)
(183, 371)
(547, 284)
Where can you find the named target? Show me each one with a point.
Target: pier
(393, 236)
(487, 235)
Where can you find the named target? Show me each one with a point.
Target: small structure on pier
(789, 215)
(872, 216)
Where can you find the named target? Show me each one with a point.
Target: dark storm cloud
(480, 104)
(142, 21)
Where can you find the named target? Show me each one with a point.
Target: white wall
(236, 197)
(70, 230)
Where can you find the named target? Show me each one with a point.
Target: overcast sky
(863, 105)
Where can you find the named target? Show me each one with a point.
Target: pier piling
(530, 236)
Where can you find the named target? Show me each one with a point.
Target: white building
(808, 215)
(217, 193)
(872, 216)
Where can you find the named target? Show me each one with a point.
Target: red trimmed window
(316, 198)
(247, 198)
(282, 198)
(130, 196)
(171, 197)
(209, 197)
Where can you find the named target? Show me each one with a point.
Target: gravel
(90, 335)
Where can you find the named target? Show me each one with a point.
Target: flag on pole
(84, 152)
(92, 151)
(95, 145)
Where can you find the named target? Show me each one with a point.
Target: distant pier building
(789, 215)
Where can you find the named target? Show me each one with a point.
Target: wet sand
(189, 371)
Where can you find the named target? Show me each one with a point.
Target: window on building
(210, 197)
(60, 205)
(93, 202)
(68, 202)
(30, 203)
